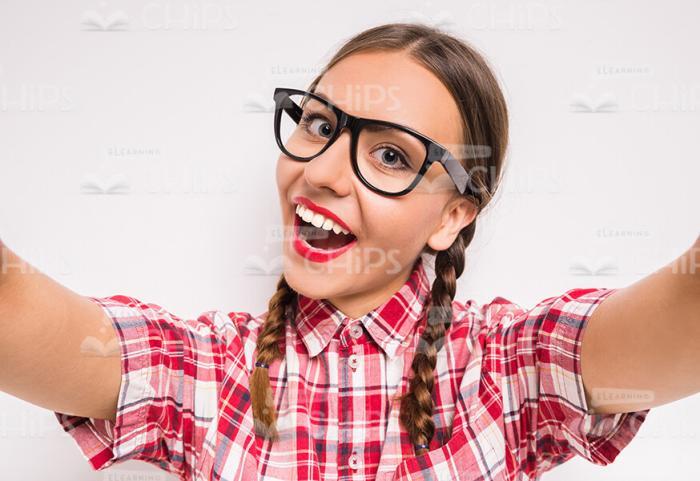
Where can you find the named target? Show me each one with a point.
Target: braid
(417, 404)
(268, 350)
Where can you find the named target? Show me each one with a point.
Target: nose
(332, 169)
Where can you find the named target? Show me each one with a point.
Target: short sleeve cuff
(599, 438)
(101, 441)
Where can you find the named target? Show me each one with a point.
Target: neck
(357, 305)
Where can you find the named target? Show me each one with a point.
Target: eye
(316, 124)
(392, 158)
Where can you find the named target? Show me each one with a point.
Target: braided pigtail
(268, 349)
(417, 404)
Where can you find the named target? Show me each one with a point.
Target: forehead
(392, 86)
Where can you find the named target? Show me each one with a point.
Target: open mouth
(331, 238)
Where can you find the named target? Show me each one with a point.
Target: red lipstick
(306, 250)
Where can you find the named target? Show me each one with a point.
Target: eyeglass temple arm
(459, 176)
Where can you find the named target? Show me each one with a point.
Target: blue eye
(392, 158)
(308, 123)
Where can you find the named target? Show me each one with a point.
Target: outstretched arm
(43, 330)
(641, 347)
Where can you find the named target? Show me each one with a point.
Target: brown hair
(468, 77)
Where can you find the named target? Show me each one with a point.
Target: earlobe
(438, 242)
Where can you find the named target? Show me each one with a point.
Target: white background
(137, 157)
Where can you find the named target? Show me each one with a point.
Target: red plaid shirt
(508, 384)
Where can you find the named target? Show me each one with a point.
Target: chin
(309, 284)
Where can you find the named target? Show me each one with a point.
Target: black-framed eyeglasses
(389, 158)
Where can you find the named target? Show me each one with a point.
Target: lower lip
(311, 253)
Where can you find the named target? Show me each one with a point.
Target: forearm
(644, 340)
(43, 328)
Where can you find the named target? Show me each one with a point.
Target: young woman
(363, 368)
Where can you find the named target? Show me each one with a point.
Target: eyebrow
(324, 97)
(376, 127)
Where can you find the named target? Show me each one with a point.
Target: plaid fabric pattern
(508, 393)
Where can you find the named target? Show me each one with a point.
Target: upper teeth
(318, 220)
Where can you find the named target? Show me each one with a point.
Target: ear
(457, 214)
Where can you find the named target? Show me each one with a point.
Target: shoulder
(229, 336)
(503, 313)
(130, 313)
(241, 329)
(240, 324)
(471, 317)
(501, 323)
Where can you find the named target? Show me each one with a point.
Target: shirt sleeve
(538, 356)
(172, 373)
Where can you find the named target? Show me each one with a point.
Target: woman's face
(391, 232)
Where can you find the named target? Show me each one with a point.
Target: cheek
(397, 228)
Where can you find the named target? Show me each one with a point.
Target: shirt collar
(389, 324)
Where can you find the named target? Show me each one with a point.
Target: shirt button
(354, 361)
(356, 331)
(354, 461)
